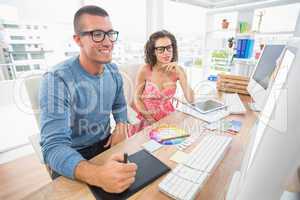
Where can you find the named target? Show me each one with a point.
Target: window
(132, 29)
(180, 20)
(20, 56)
(18, 47)
(21, 68)
(36, 66)
(38, 55)
(14, 37)
(13, 26)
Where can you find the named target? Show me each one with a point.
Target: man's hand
(114, 176)
(118, 135)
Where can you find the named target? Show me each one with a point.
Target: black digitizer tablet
(149, 169)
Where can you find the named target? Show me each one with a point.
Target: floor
(22, 176)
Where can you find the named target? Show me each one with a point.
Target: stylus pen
(175, 137)
(125, 158)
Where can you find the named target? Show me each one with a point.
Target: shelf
(221, 31)
(275, 33)
(246, 35)
(247, 60)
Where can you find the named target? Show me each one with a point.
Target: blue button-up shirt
(75, 111)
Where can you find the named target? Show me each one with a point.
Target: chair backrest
(129, 72)
(32, 86)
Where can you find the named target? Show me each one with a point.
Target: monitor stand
(234, 186)
(254, 107)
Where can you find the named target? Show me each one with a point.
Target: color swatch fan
(168, 134)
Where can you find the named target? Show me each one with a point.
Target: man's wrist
(85, 171)
(121, 127)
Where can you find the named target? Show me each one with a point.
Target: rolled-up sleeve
(55, 123)
(119, 108)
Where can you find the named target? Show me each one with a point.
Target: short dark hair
(91, 10)
(150, 57)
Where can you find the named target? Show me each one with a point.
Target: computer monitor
(273, 152)
(260, 79)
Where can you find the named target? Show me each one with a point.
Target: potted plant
(230, 42)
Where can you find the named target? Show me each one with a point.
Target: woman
(156, 80)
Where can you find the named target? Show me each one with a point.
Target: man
(76, 99)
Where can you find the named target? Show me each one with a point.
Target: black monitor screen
(266, 64)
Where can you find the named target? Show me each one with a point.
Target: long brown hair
(150, 57)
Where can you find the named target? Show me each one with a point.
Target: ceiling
(216, 4)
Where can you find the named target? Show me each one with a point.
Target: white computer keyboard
(234, 103)
(183, 183)
(187, 179)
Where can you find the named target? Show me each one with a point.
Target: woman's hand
(173, 67)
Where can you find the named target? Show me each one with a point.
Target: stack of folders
(244, 48)
(233, 83)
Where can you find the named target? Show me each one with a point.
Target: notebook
(149, 169)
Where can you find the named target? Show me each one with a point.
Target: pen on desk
(125, 158)
(175, 137)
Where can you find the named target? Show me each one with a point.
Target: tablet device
(208, 105)
(149, 169)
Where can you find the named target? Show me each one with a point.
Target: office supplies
(151, 146)
(187, 178)
(168, 134)
(230, 126)
(222, 125)
(234, 103)
(174, 137)
(125, 157)
(232, 83)
(212, 78)
(149, 169)
(179, 157)
(185, 144)
(244, 48)
(235, 126)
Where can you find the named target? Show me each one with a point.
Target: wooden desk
(215, 188)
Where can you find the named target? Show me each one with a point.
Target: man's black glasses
(99, 35)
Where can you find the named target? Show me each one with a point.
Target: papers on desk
(179, 157)
(208, 117)
(229, 126)
(151, 146)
